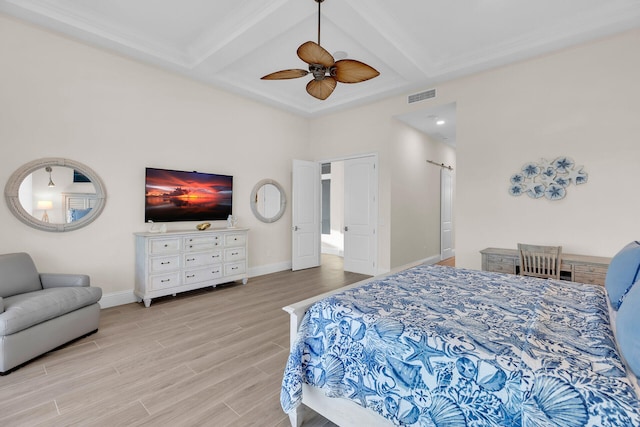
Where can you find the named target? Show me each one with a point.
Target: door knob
(295, 228)
(346, 228)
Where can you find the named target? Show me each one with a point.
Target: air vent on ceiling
(416, 97)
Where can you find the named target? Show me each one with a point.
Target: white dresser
(178, 261)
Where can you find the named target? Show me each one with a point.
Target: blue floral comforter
(439, 346)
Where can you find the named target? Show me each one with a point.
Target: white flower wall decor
(547, 179)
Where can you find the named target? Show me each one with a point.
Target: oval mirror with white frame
(55, 194)
(268, 200)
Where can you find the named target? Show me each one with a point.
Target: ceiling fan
(327, 72)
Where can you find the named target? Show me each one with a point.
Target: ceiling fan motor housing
(319, 71)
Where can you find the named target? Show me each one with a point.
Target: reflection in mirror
(55, 194)
(268, 200)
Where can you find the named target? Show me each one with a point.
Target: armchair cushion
(57, 280)
(18, 275)
(25, 310)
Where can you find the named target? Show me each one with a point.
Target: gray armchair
(41, 311)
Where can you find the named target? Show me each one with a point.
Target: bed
(442, 346)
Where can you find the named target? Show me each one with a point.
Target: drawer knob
(191, 259)
(191, 276)
(165, 280)
(165, 262)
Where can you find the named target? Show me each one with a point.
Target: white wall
(415, 194)
(583, 103)
(60, 98)
(580, 102)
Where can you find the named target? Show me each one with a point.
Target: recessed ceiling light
(440, 122)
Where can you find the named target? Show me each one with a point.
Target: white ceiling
(415, 44)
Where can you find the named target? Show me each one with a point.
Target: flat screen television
(172, 195)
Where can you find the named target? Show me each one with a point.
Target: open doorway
(346, 213)
(332, 217)
(423, 186)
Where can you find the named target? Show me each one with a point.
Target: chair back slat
(540, 261)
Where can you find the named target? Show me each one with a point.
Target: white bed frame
(343, 412)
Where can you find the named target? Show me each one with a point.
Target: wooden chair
(540, 261)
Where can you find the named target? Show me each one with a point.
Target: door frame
(444, 198)
(376, 204)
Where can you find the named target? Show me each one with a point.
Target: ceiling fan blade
(352, 71)
(321, 89)
(313, 53)
(286, 74)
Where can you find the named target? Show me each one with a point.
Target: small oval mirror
(268, 200)
(55, 194)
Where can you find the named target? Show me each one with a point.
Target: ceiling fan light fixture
(325, 69)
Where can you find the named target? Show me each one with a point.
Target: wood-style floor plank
(211, 357)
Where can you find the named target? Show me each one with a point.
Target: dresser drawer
(202, 275)
(501, 264)
(165, 281)
(594, 279)
(234, 254)
(590, 269)
(232, 269)
(202, 243)
(164, 246)
(594, 274)
(235, 240)
(196, 259)
(162, 264)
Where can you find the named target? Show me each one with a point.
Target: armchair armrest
(1, 305)
(59, 280)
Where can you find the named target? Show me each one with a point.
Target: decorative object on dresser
(540, 261)
(547, 179)
(576, 268)
(179, 261)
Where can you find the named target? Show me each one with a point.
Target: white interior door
(305, 224)
(446, 214)
(360, 215)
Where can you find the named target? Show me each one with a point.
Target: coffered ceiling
(414, 44)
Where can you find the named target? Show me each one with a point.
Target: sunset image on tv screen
(186, 196)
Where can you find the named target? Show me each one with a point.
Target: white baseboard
(332, 251)
(117, 298)
(268, 269)
(126, 297)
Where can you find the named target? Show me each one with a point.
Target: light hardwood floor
(211, 357)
